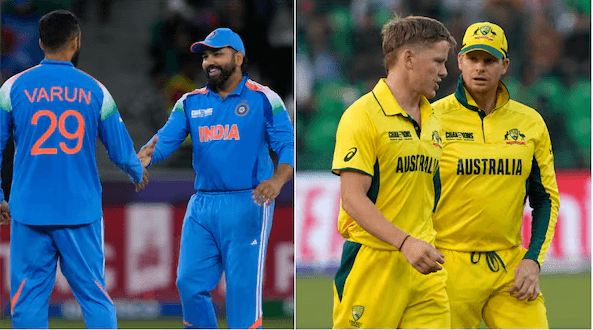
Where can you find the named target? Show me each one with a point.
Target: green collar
(466, 99)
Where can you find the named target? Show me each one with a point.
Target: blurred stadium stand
(339, 59)
(139, 49)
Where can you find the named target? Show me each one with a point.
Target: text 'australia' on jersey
(55, 113)
(231, 137)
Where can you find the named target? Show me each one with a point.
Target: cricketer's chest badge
(242, 109)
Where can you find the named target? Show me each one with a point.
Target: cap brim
(489, 49)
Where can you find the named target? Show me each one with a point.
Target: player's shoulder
(253, 86)
(365, 106)
(10, 82)
(446, 104)
(526, 112)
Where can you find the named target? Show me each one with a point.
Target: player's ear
(239, 58)
(41, 45)
(408, 56)
(505, 65)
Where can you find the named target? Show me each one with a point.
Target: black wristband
(401, 245)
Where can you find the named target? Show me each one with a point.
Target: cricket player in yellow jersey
(496, 153)
(388, 147)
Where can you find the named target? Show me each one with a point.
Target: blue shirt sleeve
(5, 122)
(279, 128)
(172, 134)
(117, 141)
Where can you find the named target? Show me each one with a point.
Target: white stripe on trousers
(260, 264)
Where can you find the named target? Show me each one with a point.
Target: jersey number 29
(61, 124)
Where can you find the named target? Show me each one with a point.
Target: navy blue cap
(219, 38)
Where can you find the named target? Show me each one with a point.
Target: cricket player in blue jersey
(55, 113)
(233, 123)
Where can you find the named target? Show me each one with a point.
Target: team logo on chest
(513, 135)
(436, 139)
(242, 109)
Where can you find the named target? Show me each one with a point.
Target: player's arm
(544, 199)
(168, 138)
(5, 132)
(280, 133)
(117, 141)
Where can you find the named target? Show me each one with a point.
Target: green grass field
(568, 301)
(163, 323)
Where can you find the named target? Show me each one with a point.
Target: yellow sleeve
(355, 143)
(543, 198)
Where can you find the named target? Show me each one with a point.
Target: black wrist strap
(400, 247)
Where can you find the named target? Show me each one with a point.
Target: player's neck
(486, 101)
(231, 84)
(60, 56)
(406, 97)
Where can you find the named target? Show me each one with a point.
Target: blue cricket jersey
(56, 112)
(231, 137)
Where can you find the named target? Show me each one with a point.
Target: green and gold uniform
(375, 286)
(490, 165)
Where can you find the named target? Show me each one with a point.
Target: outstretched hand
(143, 183)
(424, 257)
(145, 154)
(5, 216)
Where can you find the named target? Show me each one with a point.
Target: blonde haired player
(388, 147)
(496, 153)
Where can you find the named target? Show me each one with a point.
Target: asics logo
(350, 154)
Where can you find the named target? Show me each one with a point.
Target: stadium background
(139, 49)
(339, 59)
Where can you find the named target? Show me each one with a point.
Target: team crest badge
(242, 109)
(212, 34)
(513, 135)
(485, 29)
(357, 312)
(436, 139)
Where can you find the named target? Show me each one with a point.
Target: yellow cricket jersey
(376, 137)
(490, 165)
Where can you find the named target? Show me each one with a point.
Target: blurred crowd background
(339, 59)
(139, 49)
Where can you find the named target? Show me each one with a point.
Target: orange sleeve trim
(257, 323)
(104, 292)
(16, 297)
(187, 324)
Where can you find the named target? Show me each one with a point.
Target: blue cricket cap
(219, 38)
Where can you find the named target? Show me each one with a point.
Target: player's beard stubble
(75, 58)
(226, 71)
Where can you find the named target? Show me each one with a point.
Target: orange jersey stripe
(187, 324)
(16, 296)
(257, 323)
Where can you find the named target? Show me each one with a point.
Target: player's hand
(526, 284)
(145, 154)
(143, 183)
(5, 216)
(267, 191)
(424, 257)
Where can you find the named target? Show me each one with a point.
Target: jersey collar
(237, 90)
(502, 96)
(389, 104)
(57, 62)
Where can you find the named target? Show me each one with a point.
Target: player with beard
(233, 123)
(56, 112)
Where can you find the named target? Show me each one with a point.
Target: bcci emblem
(514, 134)
(242, 109)
(436, 139)
(212, 34)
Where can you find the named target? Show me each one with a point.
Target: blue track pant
(226, 232)
(34, 253)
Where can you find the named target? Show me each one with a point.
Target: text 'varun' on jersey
(490, 165)
(231, 137)
(377, 138)
(55, 113)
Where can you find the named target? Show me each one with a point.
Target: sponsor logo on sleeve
(350, 154)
